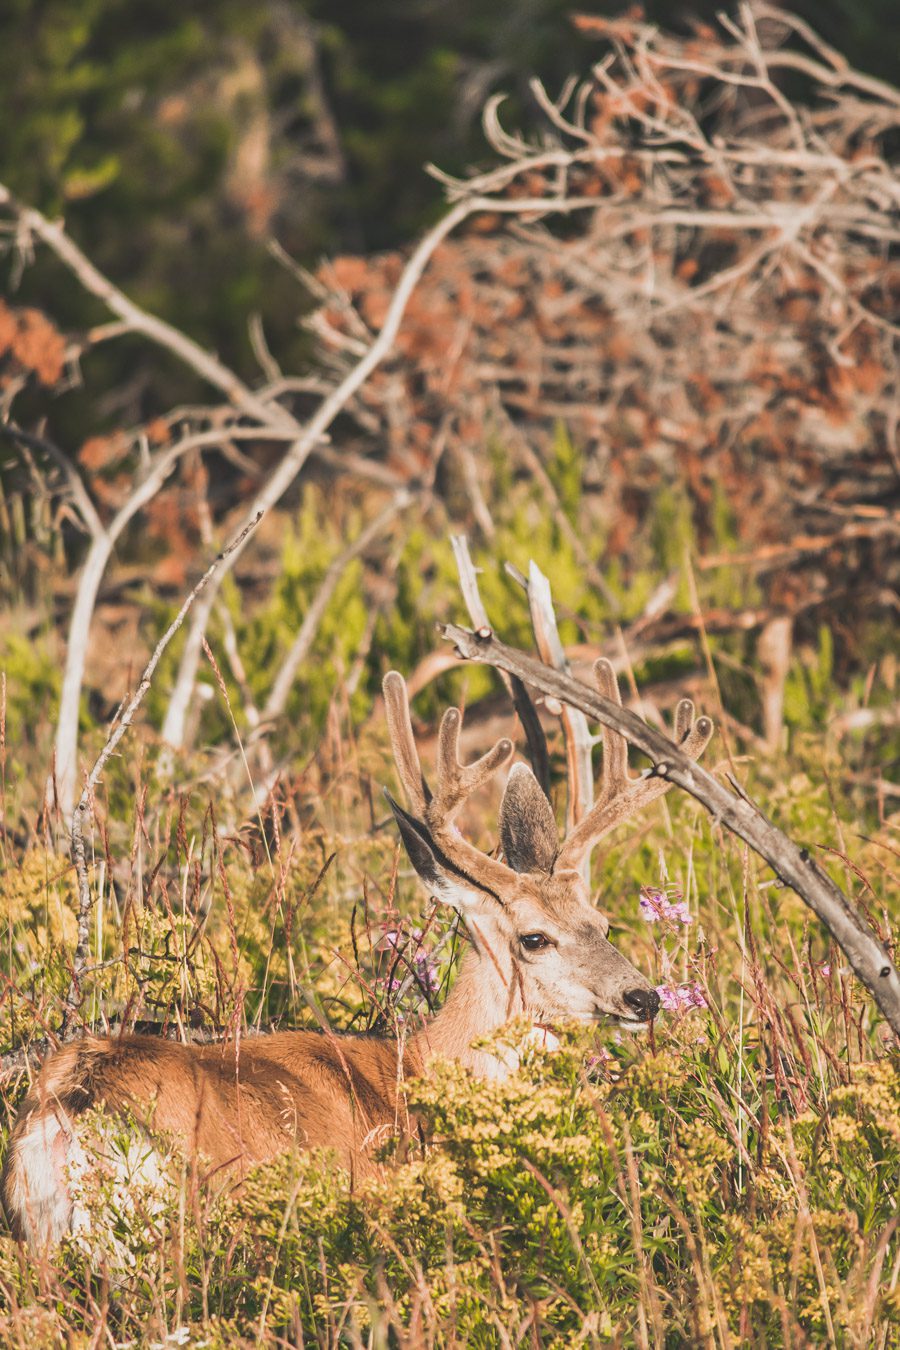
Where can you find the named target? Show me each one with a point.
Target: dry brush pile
(700, 279)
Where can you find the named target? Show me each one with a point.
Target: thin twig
(80, 814)
(300, 647)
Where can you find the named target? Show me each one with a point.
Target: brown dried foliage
(723, 316)
(30, 343)
(696, 276)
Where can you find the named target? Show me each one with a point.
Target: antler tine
(684, 719)
(396, 706)
(698, 736)
(456, 780)
(629, 795)
(615, 747)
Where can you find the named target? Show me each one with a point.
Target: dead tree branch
(80, 814)
(62, 784)
(577, 736)
(137, 320)
(285, 473)
(535, 739)
(794, 865)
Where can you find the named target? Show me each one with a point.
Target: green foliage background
(129, 118)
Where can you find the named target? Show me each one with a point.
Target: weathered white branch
(576, 732)
(103, 540)
(793, 865)
(82, 809)
(137, 320)
(522, 701)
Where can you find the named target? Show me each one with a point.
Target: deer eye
(534, 942)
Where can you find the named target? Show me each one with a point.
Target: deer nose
(645, 1002)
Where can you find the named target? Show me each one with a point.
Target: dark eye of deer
(534, 942)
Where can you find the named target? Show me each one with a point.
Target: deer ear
(527, 824)
(441, 880)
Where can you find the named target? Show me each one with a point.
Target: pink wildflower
(426, 972)
(681, 997)
(414, 955)
(656, 906)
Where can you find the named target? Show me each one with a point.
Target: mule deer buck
(539, 949)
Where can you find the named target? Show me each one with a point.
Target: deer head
(530, 917)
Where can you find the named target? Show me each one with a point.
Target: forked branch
(795, 866)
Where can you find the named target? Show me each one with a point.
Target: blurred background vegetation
(176, 140)
(187, 146)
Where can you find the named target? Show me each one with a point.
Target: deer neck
(484, 998)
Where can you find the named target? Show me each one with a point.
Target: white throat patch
(544, 1037)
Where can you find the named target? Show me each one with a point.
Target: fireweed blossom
(664, 906)
(599, 1059)
(426, 972)
(681, 997)
(421, 965)
(667, 906)
(395, 937)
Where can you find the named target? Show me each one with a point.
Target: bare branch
(103, 540)
(793, 865)
(207, 366)
(535, 739)
(285, 473)
(300, 648)
(80, 814)
(468, 584)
